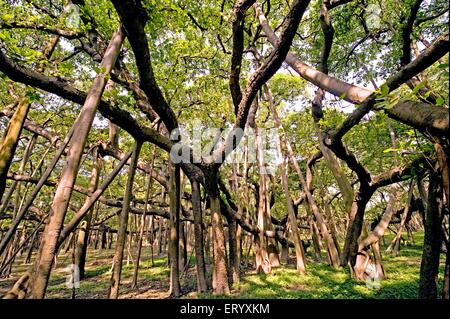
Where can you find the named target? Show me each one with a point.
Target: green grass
(325, 282)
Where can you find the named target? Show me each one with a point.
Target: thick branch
(237, 20)
(134, 18)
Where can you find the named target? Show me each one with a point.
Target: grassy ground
(321, 280)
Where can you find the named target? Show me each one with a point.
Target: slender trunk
(113, 134)
(76, 219)
(174, 226)
(123, 223)
(232, 240)
(299, 252)
(199, 238)
(315, 238)
(395, 243)
(142, 226)
(27, 259)
(160, 235)
(10, 139)
(444, 167)
(182, 251)
(83, 234)
(26, 155)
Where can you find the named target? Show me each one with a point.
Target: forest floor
(321, 280)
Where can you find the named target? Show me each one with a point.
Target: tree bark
(113, 292)
(429, 267)
(10, 139)
(220, 272)
(83, 234)
(355, 222)
(374, 237)
(394, 246)
(174, 229)
(199, 238)
(143, 223)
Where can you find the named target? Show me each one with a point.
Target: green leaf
(342, 96)
(418, 87)
(440, 101)
(391, 149)
(384, 90)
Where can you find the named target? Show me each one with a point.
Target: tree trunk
(333, 164)
(429, 267)
(374, 237)
(10, 139)
(69, 172)
(445, 290)
(299, 252)
(395, 243)
(233, 247)
(199, 238)
(142, 226)
(182, 251)
(355, 222)
(174, 226)
(89, 203)
(28, 150)
(123, 223)
(83, 234)
(220, 273)
(113, 134)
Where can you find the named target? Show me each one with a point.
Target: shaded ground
(321, 280)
